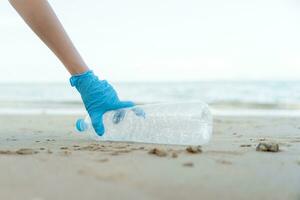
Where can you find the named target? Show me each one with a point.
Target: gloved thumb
(97, 122)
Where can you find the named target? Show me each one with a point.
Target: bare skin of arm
(97, 95)
(41, 18)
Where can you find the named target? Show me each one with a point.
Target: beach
(42, 158)
(170, 59)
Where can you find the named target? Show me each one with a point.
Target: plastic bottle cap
(80, 125)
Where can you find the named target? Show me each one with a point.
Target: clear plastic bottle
(167, 123)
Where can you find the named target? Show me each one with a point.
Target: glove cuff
(74, 78)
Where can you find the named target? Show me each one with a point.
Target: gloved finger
(97, 121)
(124, 104)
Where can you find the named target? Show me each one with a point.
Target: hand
(98, 97)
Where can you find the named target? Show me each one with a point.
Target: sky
(161, 40)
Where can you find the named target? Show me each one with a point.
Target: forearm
(41, 18)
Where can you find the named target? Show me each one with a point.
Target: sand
(41, 158)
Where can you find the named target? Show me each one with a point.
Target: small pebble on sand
(188, 164)
(158, 152)
(6, 152)
(174, 155)
(26, 151)
(103, 160)
(269, 147)
(245, 145)
(194, 149)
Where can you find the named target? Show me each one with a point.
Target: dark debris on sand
(245, 145)
(188, 164)
(158, 152)
(194, 149)
(103, 160)
(174, 155)
(26, 151)
(6, 152)
(267, 147)
(23, 151)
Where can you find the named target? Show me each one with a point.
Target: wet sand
(41, 158)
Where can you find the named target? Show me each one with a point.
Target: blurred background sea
(224, 97)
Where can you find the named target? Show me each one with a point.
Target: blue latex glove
(98, 97)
